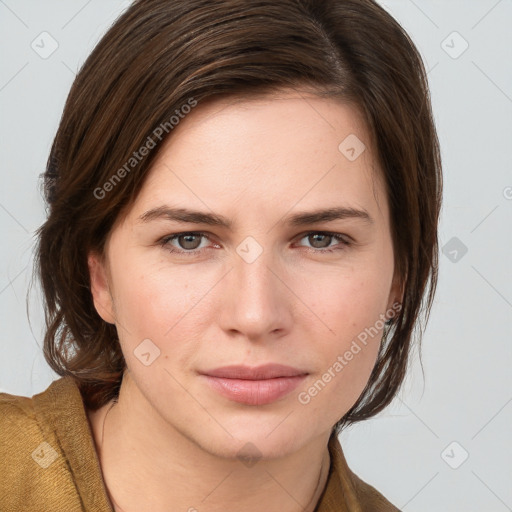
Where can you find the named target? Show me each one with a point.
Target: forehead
(264, 152)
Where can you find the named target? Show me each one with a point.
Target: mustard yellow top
(49, 462)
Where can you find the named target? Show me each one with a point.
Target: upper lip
(266, 371)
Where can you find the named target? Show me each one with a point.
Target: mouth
(254, 385)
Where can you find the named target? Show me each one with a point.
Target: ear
(100, 289)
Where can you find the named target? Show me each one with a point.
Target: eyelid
(173, 236)
(344, 242)
(341, 236)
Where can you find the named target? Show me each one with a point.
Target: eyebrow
(212, 219)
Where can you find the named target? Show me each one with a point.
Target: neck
(141, 454)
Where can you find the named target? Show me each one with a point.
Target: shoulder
(371, 499)
(32, 458)
(20, 430)
(358, 495)
(27, 422)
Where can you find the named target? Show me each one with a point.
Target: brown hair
(161, 55)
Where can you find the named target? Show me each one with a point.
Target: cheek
(165, 304)
(351, 304)
(349, 300)
(149, 300)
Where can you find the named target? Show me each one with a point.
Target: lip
(265, 371)
(254, 385)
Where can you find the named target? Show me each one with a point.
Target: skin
(254, 161)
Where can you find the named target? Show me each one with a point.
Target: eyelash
(164, 242)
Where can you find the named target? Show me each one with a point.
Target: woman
(243, 207)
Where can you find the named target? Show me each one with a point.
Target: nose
(256, 302)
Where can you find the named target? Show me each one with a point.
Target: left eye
(190, 242)
(321, 236)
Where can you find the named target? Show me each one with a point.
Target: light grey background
(463, 393)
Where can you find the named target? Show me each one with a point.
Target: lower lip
(254, 392)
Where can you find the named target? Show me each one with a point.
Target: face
(255, 280)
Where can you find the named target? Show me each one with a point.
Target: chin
(261, 438)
